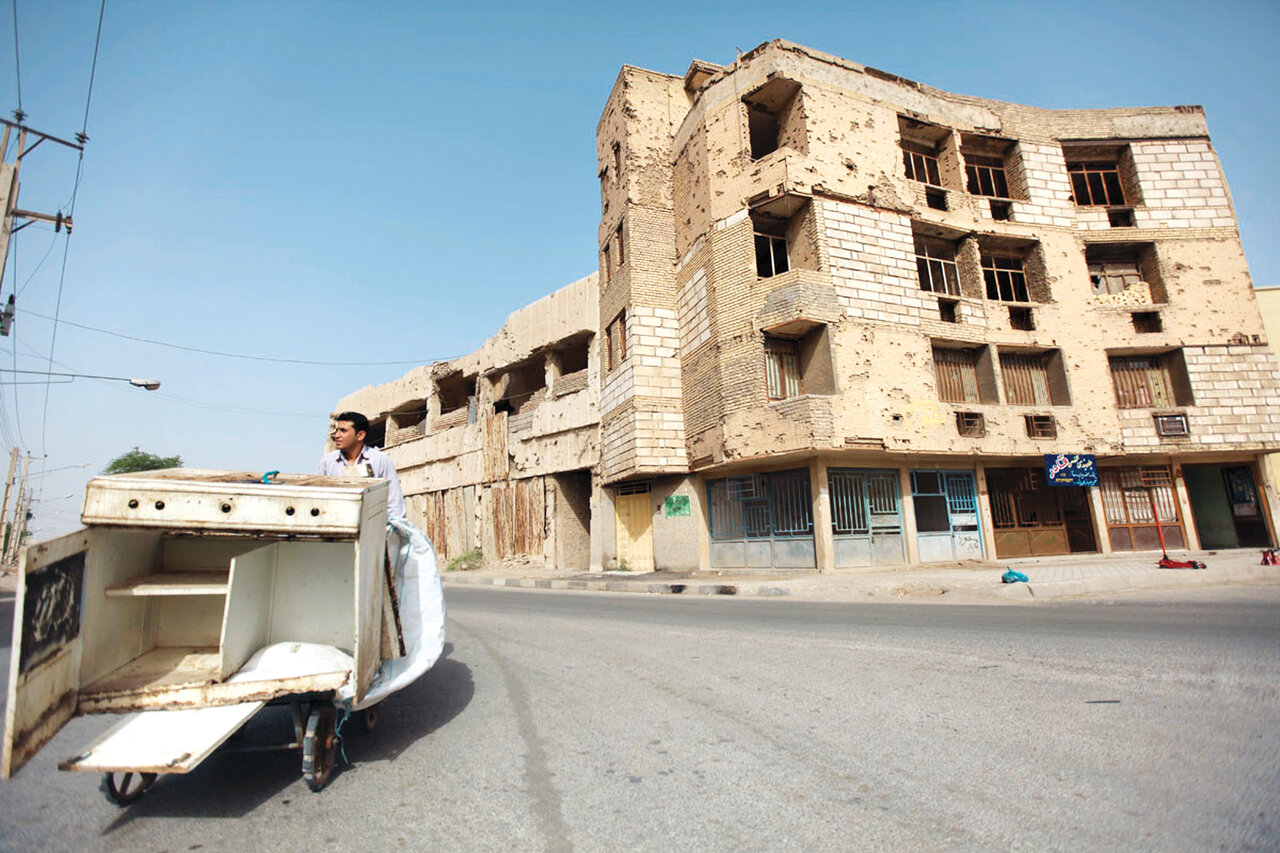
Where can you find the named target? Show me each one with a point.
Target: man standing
(353, 459)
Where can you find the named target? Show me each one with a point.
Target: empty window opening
(1096, 184)
(376, 436)
(985, 176)
(971, 424)
(964, 374)
(1034, 379)
(617, 161)
(774, 118)
(456, 393)
(936, 198)
(1151, 381)
(604, 189)
(947, 312)
(1120, 217)
(523, 387)
(1005, 278)
(573, 356)
(936, 265)
(1001, 210)
(607, 266)
(1147, 322)
(616, 342)
(617, 241)
(406, 421)
(782, 367)
(1021, 319)
(928, 153)
(1041, 426)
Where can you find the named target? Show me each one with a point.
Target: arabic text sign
(1071, 469)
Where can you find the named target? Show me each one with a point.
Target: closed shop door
(635, 532)
(1127, 498)
(1032, 518)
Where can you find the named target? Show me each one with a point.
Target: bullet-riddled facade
(844, 319)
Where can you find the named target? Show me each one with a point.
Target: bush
(473, 559)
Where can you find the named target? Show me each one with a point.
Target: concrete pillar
(700, 509)
(603, 524)
(551, 371)
(1184, 508)
(1099, 520)
(986, 521)
(1269, 485)
(823, 541)
(908, 515)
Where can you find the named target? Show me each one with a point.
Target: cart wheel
(319, 748)
(369, 717)
(124, 789)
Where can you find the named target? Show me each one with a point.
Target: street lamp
(149, 384)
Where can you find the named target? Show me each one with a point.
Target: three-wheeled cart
(192, 599)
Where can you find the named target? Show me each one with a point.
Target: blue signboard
(1071, 469)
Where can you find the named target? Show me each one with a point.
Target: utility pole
(19, 523)
(8, 489)
(9, 210)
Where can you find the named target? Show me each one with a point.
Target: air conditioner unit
(1172, 425)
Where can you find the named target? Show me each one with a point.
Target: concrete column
(1184, 508)
(1099, 520)
(551, 371)
(603, 546)
(986, 521)
(700, 509)
(908, 507)
(823, 541)
(1269, 485)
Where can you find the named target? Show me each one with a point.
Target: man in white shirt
(353, 458)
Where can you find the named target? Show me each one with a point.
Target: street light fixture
(149, 384)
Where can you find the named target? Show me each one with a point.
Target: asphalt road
(617, 722)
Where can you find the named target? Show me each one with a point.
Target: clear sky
(383, 182)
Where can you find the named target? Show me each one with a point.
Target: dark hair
(358, 421)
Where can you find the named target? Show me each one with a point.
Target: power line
(93, 69)
(222, 354)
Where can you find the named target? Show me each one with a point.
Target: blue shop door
(946, 505)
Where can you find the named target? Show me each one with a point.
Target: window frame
(615, 342)
(772, 241)
(928, 163)
(957, 370)
(1103, 169)
(1026, 379)
(1100, 275)
(783, 377)
(996, 270)
(1138, 386)
(978, 166)
(925, 264)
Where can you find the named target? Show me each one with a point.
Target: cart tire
(369, 717)
(319, 747)
(125, 789)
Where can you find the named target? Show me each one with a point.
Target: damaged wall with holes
(791, 147)
(495, 449)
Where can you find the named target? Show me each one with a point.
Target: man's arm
(383, 467)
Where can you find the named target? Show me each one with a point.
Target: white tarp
(421, 602)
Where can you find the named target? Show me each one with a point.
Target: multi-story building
(845, 319)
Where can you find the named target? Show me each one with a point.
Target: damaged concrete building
(844, 319)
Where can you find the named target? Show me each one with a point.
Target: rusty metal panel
(497, 465)
(515, 518)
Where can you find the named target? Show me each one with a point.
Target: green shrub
(473, 559)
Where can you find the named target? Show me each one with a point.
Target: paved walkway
(1071, 576)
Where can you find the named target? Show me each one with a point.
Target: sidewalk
(1070, 576)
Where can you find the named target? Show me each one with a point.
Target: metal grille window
(986, 176)
(782, 367)
(957, 375)
(1005, 279)
(1114, 276)
(921, 164)
(936, 266)
(1096, 184)
(771, 255)
(1141, 382)
(616, 341)
(1125, 493)
(1026, 379)
(1041, 426)
(863, 501)
(761, 506)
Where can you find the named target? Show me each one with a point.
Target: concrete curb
(612, 585)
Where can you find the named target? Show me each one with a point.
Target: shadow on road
(232, 784)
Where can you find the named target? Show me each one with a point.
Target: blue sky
(384, 182)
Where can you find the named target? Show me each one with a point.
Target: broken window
(406, 421)
(617, 161)
(936, 265)
(1114, 276)
(1034, 378)
(985, 176)
(1147, 322)
(1096, 184)
(1021, 319)
(607, 266)
(1150, 381)
(456, 393)
(960, 373)
(774, 119)
(1116, 267)
(616, 341)
(784, 234)
(947, 311)
(971, 424)
(376, 436)
(1041, 426)
(782, 367)
(604, 189)
(1005, 278)
(617, 240)
(921, 163)
(523, 387)
(573, 356)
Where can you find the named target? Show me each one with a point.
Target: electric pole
(8, 489)
(19, 523)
